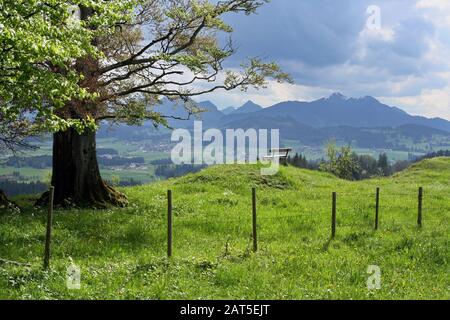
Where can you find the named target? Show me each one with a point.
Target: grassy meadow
(122, 252)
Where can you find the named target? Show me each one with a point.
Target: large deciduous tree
(139, 51)
(36, 37)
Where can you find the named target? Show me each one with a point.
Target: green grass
(121, 252)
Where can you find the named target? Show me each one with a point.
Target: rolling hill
(121, 252)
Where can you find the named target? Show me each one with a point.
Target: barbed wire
(363, 220)
(354, 209)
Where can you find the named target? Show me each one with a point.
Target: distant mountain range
(247, 107)
(365, 122)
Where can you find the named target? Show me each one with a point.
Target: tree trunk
(76, 175)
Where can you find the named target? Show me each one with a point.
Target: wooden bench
(281, 154)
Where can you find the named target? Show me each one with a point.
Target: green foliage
(121, 252)
(341, 161)
(39, 42)
(298, 161)
(383, 164)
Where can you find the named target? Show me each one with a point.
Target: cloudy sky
(338, 45)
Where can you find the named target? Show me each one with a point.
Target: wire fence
(269, 219)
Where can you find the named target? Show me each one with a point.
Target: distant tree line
(105, 151)
(436, 154)
(14, 188)
(41, 162)
(300, 161)
(120, 161)
(164, 161)
(346, 164)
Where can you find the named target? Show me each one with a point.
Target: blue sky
(327, 46)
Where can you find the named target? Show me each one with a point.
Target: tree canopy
(69, 64)
(38, 42)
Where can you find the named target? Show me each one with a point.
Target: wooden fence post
(333, 216)
(419, 207)
(169, 223)
(48, 235)
(255, 239)
(377, 207)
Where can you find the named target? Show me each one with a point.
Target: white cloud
(437, 11)
(438, 4)
(430, 103)
(326, 46)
